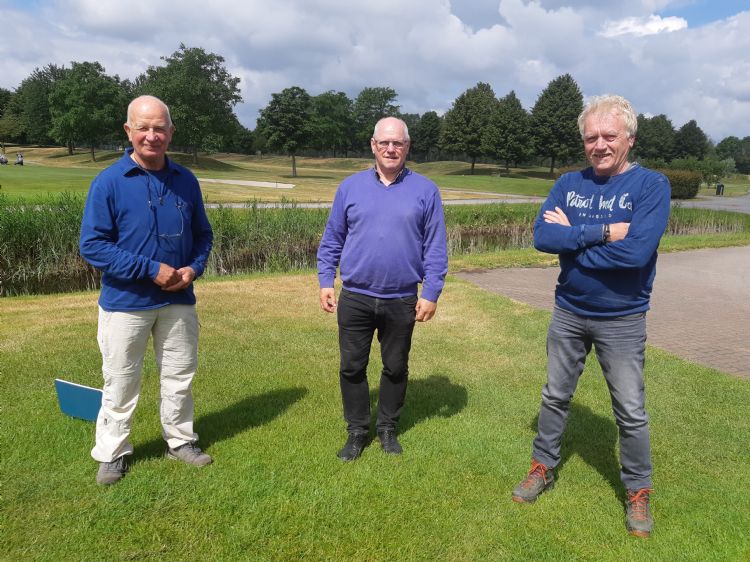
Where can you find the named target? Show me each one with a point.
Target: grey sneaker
(189, 453)
(638, 518)
(111, 472)
(539, 479)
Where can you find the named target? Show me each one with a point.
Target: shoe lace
(117, 465)
(537, 471)
(638, 501)
(193, 449)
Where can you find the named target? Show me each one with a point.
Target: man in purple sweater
(605, 223)
(386, 230)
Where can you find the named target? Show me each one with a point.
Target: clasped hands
(171, 279)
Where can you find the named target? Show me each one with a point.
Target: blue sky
(687, 59)
(701, 12)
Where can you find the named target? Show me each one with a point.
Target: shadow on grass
(593, 438)
(435, 396)
(249, 412)
(205, 163)
(477, 172)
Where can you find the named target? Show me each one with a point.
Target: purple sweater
(387, 239)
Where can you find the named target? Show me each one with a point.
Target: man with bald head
(144, 226)
(387, 232)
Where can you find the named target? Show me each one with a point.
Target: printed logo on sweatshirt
(602, 208)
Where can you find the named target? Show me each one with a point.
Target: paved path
(738, 204)
(700, 306)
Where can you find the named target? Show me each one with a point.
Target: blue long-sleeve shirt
(598, 278)
(133, 221)
(386, 239)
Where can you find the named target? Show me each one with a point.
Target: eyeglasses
(384, 144)
(153, 208)
(178, 206)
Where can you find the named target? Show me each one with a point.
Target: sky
(687, 59)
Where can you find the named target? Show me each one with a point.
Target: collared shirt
(133, 221)
(399, 177)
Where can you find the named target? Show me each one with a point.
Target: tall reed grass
(39, 241)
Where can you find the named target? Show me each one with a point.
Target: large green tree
(86, 106)
(690, 140)
(332, 122)
(655, 138)
(31, 106)
(736, 149)
(200, 93)
(5, 96)
(286, 122)
(729, 147)
(554, 121)
(371, 105)
(426, 135)
(508, 134)
(11, 130)
(10, 126)
(466, 122)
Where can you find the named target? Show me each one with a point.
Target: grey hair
(140, 99)
(377, 127)
(610, 103)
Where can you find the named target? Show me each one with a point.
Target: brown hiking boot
(539, 479)
(638, 519)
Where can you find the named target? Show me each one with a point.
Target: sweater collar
(399, 178)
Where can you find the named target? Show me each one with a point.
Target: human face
(606, 143)
(150, 133)
(391, 156)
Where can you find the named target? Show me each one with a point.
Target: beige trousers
(123, 337)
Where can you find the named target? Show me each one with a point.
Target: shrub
(685, 183)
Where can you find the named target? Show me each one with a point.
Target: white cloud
(421, 48)
(643, 26)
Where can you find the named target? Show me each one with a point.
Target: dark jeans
(620, 345)
(358, 318)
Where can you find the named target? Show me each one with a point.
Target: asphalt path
(700, 305)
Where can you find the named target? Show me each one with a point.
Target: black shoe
(353, 447)
(389, 442)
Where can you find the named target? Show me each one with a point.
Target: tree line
(84, 106)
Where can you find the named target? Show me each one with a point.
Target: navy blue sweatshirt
(598, 278)
(387, 239)
(133, 221)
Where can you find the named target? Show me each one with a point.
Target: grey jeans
(620, 345)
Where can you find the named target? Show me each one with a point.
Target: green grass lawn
(269, 411)
(734, 186)
(52, 170)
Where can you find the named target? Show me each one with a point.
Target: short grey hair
(610, 103)
(153, 99)
(377, 127)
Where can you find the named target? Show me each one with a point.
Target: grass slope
(269, 411)
(53, 170)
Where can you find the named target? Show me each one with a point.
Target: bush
(685, 183)
(39, 241)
